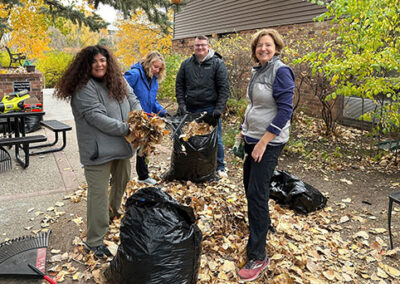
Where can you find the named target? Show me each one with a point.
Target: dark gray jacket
(101, 123)
(203, 84)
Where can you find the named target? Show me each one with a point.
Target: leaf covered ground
(346, 242)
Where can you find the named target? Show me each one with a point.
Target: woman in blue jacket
(144, 77)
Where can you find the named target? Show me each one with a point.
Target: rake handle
(47, 278)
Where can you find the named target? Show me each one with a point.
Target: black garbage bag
(194, 159)
(289, 190)
(160, 242)
(32, 123)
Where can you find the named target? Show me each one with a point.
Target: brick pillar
(12, 82)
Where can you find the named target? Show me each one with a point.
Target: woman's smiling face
(99, 66)
(265, 49)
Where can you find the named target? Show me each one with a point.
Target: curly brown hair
(78, 74)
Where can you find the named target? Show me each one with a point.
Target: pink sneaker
(252, 269)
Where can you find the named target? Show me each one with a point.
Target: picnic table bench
(15, 136)
(57, 127)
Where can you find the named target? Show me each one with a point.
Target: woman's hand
(258, 151)
(261, 145)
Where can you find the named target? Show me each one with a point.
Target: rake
(17, 254)
(5, 160)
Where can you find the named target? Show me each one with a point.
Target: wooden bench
(22, 143)
(55, 126)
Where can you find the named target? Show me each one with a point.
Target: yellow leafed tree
(29, 34)
(137, 36)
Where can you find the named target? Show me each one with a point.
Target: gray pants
(100, 204)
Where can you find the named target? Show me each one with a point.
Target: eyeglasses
(201, 45)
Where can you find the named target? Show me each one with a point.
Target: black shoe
(112, 216)
(98, 251)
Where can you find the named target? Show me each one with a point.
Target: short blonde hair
(279, 45)
(149, 59)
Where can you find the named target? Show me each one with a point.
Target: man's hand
(182, 110)
(217, 114)
(209, 119)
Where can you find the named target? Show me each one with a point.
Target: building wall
(224, 16)
(301, 32)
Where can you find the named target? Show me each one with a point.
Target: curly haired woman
(101, 100)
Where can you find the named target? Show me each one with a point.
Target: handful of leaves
(146, 131)
(194, 129)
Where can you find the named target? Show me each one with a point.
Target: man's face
(201, 48)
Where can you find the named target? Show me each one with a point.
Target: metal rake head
(5, 160)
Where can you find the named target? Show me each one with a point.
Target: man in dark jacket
(202, 84)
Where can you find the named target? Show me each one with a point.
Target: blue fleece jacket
(145, 92)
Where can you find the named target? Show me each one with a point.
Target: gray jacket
(262, 108)
(101, 123)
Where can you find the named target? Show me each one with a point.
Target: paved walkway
(47, 180)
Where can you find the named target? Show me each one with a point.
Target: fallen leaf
(361, 234)
(228, 266)
(389, 270)
(346, 181)
(329, 274)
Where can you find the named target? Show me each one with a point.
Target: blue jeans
(220, 150)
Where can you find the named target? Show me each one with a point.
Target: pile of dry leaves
(304, 249)
(347, 148)
(145, 132)
(194, 128)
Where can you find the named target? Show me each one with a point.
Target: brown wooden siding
(224, 16)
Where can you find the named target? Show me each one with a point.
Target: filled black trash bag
(32, 123)
(194, 159)
(160, 242)
(289, 190)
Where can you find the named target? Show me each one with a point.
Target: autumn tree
(156, 11)
(29, 30)
(137, 36)
(364, 61)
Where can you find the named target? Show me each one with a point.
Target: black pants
(141, 167)
(256, 179)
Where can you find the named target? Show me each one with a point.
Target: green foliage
(4, 59)
(236, 107)
(52, 66)
(229, 135)
(167, 87)
(235, 50)
(364, 60)
(156, 10)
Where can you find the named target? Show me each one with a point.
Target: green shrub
(235, 50)
(167, 87)
(4, 59)
(236, 107)
(52, 66)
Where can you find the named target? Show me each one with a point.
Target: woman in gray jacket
(265, 130)
(101, 100)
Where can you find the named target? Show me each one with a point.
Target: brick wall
(14, 82)
(308, 102)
